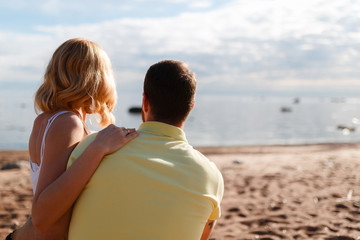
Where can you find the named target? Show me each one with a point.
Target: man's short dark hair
(170, 88)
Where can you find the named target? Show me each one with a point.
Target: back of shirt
(156, 187)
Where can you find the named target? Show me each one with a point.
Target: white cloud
(23, 57)
(52, 7)
(200, 4)
(245, 44)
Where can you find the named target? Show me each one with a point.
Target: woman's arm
(58, 189)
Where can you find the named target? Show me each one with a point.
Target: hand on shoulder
(112, 138)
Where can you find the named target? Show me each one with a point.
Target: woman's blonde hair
(78, 78)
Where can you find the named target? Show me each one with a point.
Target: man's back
(156, 187)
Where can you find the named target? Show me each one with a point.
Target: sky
(296, 47)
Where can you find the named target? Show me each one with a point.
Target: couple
(118, 183)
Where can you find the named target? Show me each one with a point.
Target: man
(157, 186)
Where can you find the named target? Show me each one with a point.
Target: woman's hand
(112, 138)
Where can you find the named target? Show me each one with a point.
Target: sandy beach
(271, 192)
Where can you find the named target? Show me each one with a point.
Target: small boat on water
(343, 127)
(286, 109)
(135, 110)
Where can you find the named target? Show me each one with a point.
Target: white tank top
(34, 167)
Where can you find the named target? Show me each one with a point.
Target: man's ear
(192, 107)
(145, 103)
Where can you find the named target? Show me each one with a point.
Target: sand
(271, 192)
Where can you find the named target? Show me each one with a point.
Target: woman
(78, 81)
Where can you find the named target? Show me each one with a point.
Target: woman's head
(78, 78)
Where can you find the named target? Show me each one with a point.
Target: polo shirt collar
(163, 129)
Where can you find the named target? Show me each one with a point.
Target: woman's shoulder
(65, 121)
(67, 129)
(40, 119)
(64, 117)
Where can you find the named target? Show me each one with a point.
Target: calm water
(216, 119)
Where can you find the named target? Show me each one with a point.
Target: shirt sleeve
(216, 213)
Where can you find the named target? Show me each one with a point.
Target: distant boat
(296, 100)
(135, 110)
(343, 127)
(286, 109)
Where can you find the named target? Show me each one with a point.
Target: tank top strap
(86, 128)
(50, 121)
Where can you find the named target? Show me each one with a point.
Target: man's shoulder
(84, 143)
(204, 161)
(79, 149)
(197, 153)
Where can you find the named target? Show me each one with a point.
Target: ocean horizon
(216, 120)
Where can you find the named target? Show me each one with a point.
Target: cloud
(23, 56)
(244, 45)
(51, 7)
(200, 4)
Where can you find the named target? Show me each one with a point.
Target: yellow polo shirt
(155, 187)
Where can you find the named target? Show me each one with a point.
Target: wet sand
(271, 192)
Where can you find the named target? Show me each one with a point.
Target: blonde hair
(78, 78)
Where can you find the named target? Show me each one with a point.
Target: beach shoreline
(308, 191)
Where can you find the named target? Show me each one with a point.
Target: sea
(216, 120)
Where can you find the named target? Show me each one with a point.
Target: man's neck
(179, 125)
